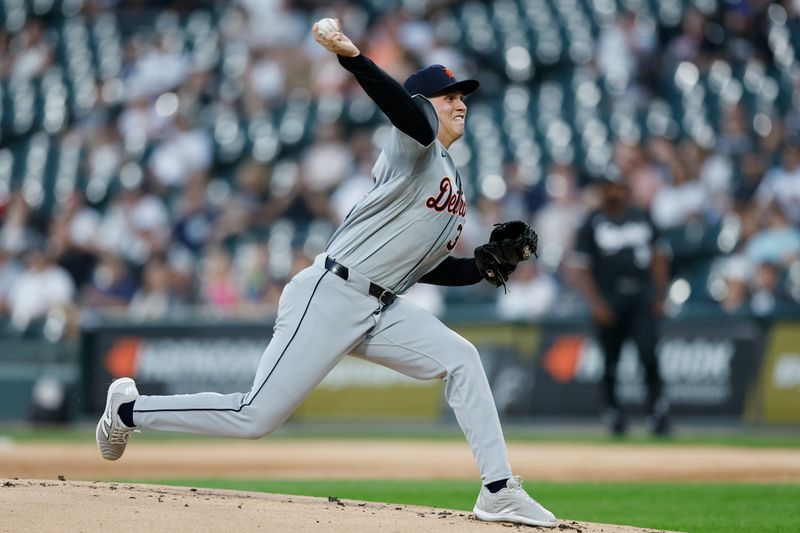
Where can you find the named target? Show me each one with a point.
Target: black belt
(384, 296)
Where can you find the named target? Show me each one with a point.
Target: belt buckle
(389, 295)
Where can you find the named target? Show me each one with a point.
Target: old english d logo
(121, 359)
(449, 73)
(561, 360)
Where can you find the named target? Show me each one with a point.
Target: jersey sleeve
(454, 272)
(403, 111)
(406, 153)
(583, 253)
(658, 240)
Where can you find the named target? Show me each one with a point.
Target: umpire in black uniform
(622, 270)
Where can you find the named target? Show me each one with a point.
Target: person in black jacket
(622, 270)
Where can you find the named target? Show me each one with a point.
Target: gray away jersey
(411, 219)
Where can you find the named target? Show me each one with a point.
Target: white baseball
(327, 26)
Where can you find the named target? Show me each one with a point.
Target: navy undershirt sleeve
(453, 272)
(391, 97)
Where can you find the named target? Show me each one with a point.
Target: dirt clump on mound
(55, 506)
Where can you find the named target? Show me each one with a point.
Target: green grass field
(758, 438)
(713, 508)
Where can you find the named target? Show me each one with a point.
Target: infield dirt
(397, 459)
(51, 505)
(57, 506)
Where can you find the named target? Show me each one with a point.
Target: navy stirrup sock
(495, 486)
(125, 412)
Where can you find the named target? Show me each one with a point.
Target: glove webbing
(497, 271)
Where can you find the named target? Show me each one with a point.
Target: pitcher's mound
(44, 506)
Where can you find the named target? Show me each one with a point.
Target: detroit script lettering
(448, 199)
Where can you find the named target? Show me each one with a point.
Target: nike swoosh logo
(106, 423)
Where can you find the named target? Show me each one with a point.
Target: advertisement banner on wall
(778, 400)
(223, 358)
(555, 369)
(707, 369)
(549, 369)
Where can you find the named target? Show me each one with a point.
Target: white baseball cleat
(512, 504)
(111, 434)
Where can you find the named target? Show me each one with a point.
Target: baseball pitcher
(402, 232)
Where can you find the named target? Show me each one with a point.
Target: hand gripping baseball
(331, 37)
(509, 243)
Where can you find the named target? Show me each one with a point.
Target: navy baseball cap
(436, 79)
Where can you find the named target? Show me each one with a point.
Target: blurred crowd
(176, 210)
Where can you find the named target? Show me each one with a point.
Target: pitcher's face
(452, 113)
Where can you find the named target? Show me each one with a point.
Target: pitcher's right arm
(412, 116)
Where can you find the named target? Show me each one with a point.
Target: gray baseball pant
(321, 318)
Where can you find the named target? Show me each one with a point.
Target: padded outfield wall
(732, 369)
(726, 368)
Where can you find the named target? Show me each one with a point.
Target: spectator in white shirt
(531, 293)
(9, 270)
(187, 151)
(136, 226)
(676, 203)
(782, 183)
(41, 287)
